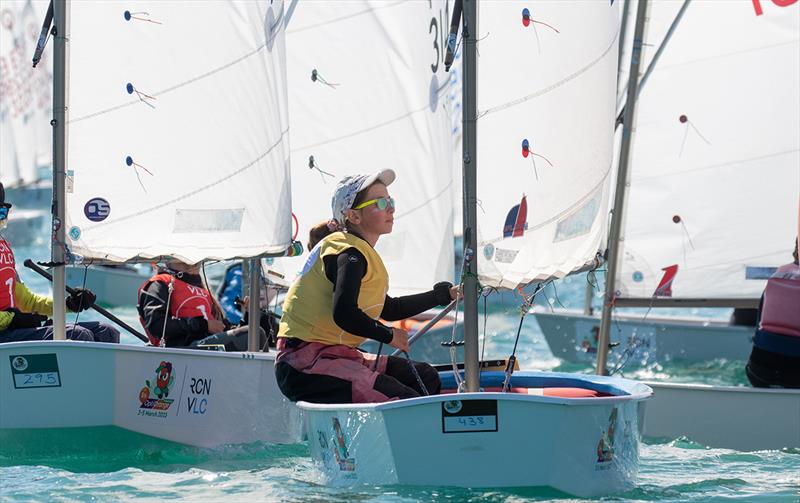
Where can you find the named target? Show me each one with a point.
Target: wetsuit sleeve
(179, 331)
(346, 271)
(400, 308)
(29, 302)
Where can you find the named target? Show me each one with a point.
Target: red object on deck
(557, 392)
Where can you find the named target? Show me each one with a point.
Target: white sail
(25, 93)
(715, 173)
(178, 130)
(546, 97)
(367, 91)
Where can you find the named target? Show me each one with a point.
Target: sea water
(674, 470)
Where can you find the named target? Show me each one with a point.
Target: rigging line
(347, 16)
(427, 201)
(551, 87)
(172, 88)
(195, 191)
(371, 128)
(714, 166)
(730, 54)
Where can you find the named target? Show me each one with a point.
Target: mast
(60, 117)
(621, 193)
(254, 309)
(470, 164)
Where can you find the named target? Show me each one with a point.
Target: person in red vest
(177, 310)
(24, 314)
(775, 359)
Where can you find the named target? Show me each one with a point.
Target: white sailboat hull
(484, 439)
(211, 399)
(571, 337)
(745, 419)
(114, 286)
(27, 227)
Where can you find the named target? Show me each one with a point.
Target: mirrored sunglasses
(382, 203)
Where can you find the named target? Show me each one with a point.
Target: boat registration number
(469, 416)
(35, 371)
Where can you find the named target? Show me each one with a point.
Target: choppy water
(678, 470)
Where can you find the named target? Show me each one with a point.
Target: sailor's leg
(101, 332)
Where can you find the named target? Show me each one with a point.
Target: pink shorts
(338, 361)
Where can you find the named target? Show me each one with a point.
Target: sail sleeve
(178, 130)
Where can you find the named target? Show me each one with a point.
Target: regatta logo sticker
(605, 447)
(35, 371)
(97, 209)
(153, 397)
(516, 220)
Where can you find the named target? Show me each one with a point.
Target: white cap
(351, 185)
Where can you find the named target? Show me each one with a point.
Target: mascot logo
(154, 396)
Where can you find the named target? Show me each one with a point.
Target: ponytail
(317, 233)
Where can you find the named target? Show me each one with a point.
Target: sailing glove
(441, 291)
(26, 320)
(80, 300)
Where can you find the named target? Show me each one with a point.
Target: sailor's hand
(26, 320)
(399, 339)
(80, 300)
(246, 303)
(215, 326)
(455, 294)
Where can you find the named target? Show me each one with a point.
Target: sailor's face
(374, 219)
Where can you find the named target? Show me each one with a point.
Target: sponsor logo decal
(516, 220)
(153, 397)
(97, 209)
(664, 288)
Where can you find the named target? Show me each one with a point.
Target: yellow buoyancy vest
(308, 308)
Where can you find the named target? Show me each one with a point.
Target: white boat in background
(576, 433)
(730, 417)
(178, 149)
(709, 213)
(572, 337)
(27, 227)
(713, 197)
(114, 285)
(25, 107)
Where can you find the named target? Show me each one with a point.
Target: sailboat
(705, 180)
(178, 147)
(24, 116)
(576, 433)
(713, 198)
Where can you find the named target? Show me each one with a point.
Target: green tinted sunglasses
(382, 203)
